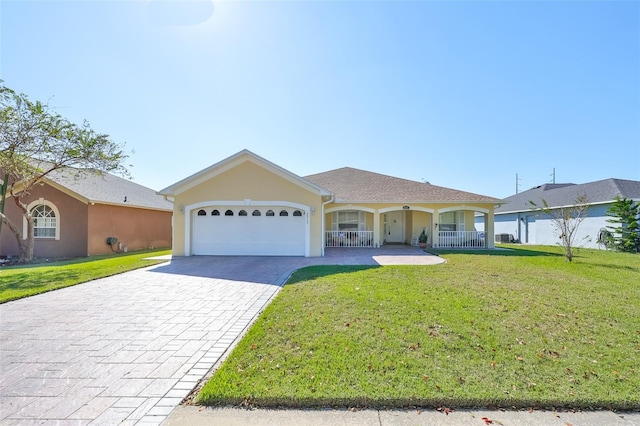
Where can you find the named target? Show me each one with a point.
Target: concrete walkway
(127, 349)
(205, 416)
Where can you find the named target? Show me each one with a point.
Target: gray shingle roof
(565, 194)
(354, 185)
(105, 188)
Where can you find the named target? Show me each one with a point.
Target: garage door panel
(249, 235)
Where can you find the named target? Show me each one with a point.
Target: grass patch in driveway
(482, 330)
(27, 280)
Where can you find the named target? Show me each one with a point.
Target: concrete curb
(201, 416)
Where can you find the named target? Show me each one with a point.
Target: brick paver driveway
(127, 349)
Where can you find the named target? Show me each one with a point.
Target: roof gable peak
(232, 161)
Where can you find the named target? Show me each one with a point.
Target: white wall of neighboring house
(538, 228)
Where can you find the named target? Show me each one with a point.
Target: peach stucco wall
(133, 227)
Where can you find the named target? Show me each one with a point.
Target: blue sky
(463, 94)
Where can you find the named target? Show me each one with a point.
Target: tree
(624, 234)
(566, 221)
(34, 142)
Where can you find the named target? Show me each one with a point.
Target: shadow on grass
(426, 403)
(312, 272)
(617, 267)
(40, 262)
(500, 251)
(25, 280)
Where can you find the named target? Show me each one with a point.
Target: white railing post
(349, 239)
(462, 239)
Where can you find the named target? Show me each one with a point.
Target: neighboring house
(246, 205)
(76, 211)
(524, 223)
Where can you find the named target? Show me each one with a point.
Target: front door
(394, 227)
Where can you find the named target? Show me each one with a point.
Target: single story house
(77, 211)
(518, 220)
(246, 205)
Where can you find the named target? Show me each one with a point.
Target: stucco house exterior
(76, 211)
(515, 219)
(247, 205)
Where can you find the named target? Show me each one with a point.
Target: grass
(520, 328)
(27, 280)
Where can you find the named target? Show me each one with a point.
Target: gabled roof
(104, 188)
(566, 194)
(230, 162)
(355, 185)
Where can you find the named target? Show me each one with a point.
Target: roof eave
(533, 209)
(134, 206)
(230, 162)
(52, 183)
(346, 201)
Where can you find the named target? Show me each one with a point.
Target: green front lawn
(521, 328)
(22, 281)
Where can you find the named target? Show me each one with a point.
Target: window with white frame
(44, 221)
(348, 220)
(451, 221)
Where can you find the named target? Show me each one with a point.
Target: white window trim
(53, 207)
(335, 222)
(458, 220)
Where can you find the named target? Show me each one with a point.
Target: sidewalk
(201, 416)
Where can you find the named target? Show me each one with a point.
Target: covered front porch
(366, 227)
(447, 239)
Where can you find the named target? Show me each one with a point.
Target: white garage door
(261, 231)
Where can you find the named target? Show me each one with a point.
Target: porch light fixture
(436, 225)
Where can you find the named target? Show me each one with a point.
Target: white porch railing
(461, 239)
(348, 238)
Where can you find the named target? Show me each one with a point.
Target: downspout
(323, 222)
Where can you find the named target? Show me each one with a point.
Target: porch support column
(376, 228)
(434, 229)
(489, 230)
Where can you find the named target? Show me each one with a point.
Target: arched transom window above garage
(268, 212)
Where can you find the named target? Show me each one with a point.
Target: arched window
(228, 213)
(202, 213)
(284, 213)
(242, 213)
(270, 213)
(45, 222)
(215, 213)
(256, 213)
(297, 213)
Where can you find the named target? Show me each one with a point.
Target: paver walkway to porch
(128, 348)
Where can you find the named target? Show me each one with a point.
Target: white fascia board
(458, 202)
(537, 209)
(133, 206)
(65, 190)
